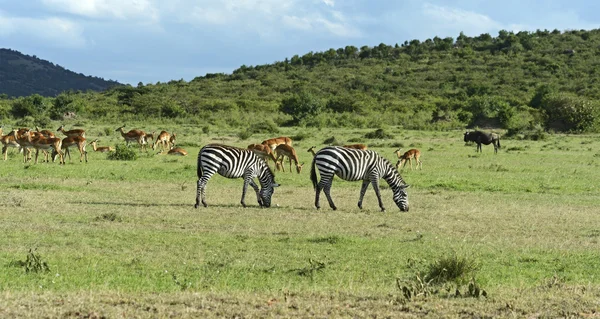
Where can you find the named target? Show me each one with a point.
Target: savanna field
(509, 235)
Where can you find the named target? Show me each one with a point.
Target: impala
(46, 133)
(7, 141)
(263, 151)
(74, 132)
(164, 138)
(39, 142)
(133, 136)
(408, 156)
(284, 150)
(80, 142)
(149, 137)
(21, 137)
(101, 149)
(274, 142)
(178, 151)
(356, 146)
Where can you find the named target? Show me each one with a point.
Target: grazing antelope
(74, 132)
(312, 150)
(80, 142)
(133, 136)
(408, 156)
(483, 138)
(39, 142)
(356, 146)
(7, 141)
(284, 150)
(46, 133)
(233, 162)
(274, 142)
(101, 149)
(164, 138)
(149, 137)
(356, 165)
(264, 152)
(177, 151)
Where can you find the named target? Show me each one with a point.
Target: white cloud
(55, 31)
(330, 3)
(140, 10)
(468, 21)
(266, 17)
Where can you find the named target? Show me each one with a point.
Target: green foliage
(33, 263)
(123, 153)
(301, 106)
(569, 113)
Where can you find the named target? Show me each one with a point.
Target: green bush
(123, 153)
(569, 113)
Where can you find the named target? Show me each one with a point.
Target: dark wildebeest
(483, 138)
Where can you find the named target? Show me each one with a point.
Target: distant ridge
(23, 75)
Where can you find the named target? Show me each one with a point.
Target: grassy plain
(122, 239)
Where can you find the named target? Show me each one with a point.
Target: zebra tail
(498, 141)
(313, 173)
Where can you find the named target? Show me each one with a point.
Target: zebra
(480, 137)
(233, 162)
(354, 165)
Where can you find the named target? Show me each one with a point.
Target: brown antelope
(7, 141)
(46, 133)
(149, 137)
(172, 139)
(39, 142)
(74, 132)
(312, 150)
(101, 149)
(274, 142)
(356, 146)
(133, 136)
(408, 156)
(22, 139)
(263, 151)
(164, 138)
(72, 141)
(284, 150)
(178, 151)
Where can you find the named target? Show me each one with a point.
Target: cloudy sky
(147, 41)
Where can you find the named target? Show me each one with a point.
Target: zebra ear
(275, 185)
(405, 186)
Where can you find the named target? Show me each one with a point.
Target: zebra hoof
(196, 206)
(334, 208)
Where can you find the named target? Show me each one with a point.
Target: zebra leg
(363, 190)
(375, 182)
(256, 190)
(201, 190)
(327, 190)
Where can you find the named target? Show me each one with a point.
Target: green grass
(123, 236)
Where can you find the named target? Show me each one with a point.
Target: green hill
(515, 81)
(22, 75)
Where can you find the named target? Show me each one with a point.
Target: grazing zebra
(233, 162)
(354, 165)
(483, 138)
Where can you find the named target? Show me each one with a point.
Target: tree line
(544, 80)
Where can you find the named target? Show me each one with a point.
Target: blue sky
(148, 41)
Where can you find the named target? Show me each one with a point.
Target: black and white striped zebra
(233, 162)
(356, 165)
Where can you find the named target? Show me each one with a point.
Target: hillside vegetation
(23, 75)
(525, 81)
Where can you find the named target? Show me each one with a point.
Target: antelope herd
(26, 141)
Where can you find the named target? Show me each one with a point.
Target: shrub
(123, 153)
(379, 134)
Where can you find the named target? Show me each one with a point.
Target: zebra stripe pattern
(355, 165)
(233, 162)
